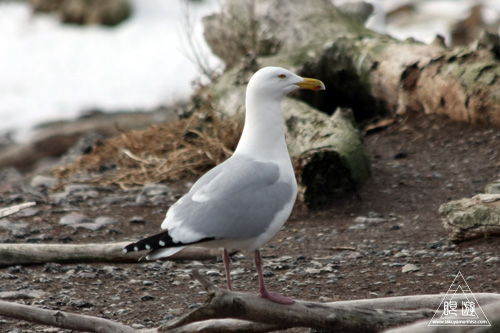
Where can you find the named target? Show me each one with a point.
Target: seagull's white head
(277, 82)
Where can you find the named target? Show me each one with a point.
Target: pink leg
(264, 293)
(227, 261)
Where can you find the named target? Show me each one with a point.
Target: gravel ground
(386, 240)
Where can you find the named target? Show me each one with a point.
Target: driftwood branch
(491, 311)
(336, 316)
(227, 311)
(14, 209)
(61, 319)
(27, 253)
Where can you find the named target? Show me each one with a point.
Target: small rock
(79, 303)
(449, 254)
(28, 212)
(104, 220)
(370, 220)
(121, 311)
(311, 270)
(138, 326)
(492, 260)
(410, 268)
(156, 189)
(147, 298)
(238, 271)
(354, 255)
(74, 218)
(360, 219)
(359, 226)
(77, 220)
(161, 199)
(176, 311)
(137, 219)
(52, 267)
(140, 199)
(403, 253)
(87, 275)
(421, 253)
(13, 227)
(10, 176)
(44, 181)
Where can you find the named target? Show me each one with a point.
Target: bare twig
(14, 209)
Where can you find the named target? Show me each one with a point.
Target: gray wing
(237, 199)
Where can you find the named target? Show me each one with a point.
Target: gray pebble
(74, 218)
(491, 260)
(156, 189)
(410, 268)
(137, 219)
(44, 181)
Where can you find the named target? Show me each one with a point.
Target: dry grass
(165, 152)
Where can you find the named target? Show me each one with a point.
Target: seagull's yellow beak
(311, 84)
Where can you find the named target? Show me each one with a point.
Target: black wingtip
(156, 242)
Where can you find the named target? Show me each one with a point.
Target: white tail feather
(161, 253)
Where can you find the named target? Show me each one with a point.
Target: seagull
(240, 204)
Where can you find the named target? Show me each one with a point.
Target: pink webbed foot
(263, 292)
(276, 298)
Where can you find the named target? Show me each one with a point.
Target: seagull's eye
(282, 76)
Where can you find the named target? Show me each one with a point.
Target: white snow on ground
(50, 70)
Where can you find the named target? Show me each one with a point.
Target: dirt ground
(353, 249)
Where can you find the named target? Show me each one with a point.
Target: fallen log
(27, 253)
(372, 73)
(330, 156)
(467, 219)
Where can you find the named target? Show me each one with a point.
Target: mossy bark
(373, 74)
(476, 217)
(330, 156)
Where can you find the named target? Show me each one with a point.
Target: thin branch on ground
(27, 253)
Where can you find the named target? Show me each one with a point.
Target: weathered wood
(330, 156)
(372, 73)
(226, 304)
(491, 311)
(61, 319)
(27, 253)
(476, 217)
(14, 209)
(380, 313)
